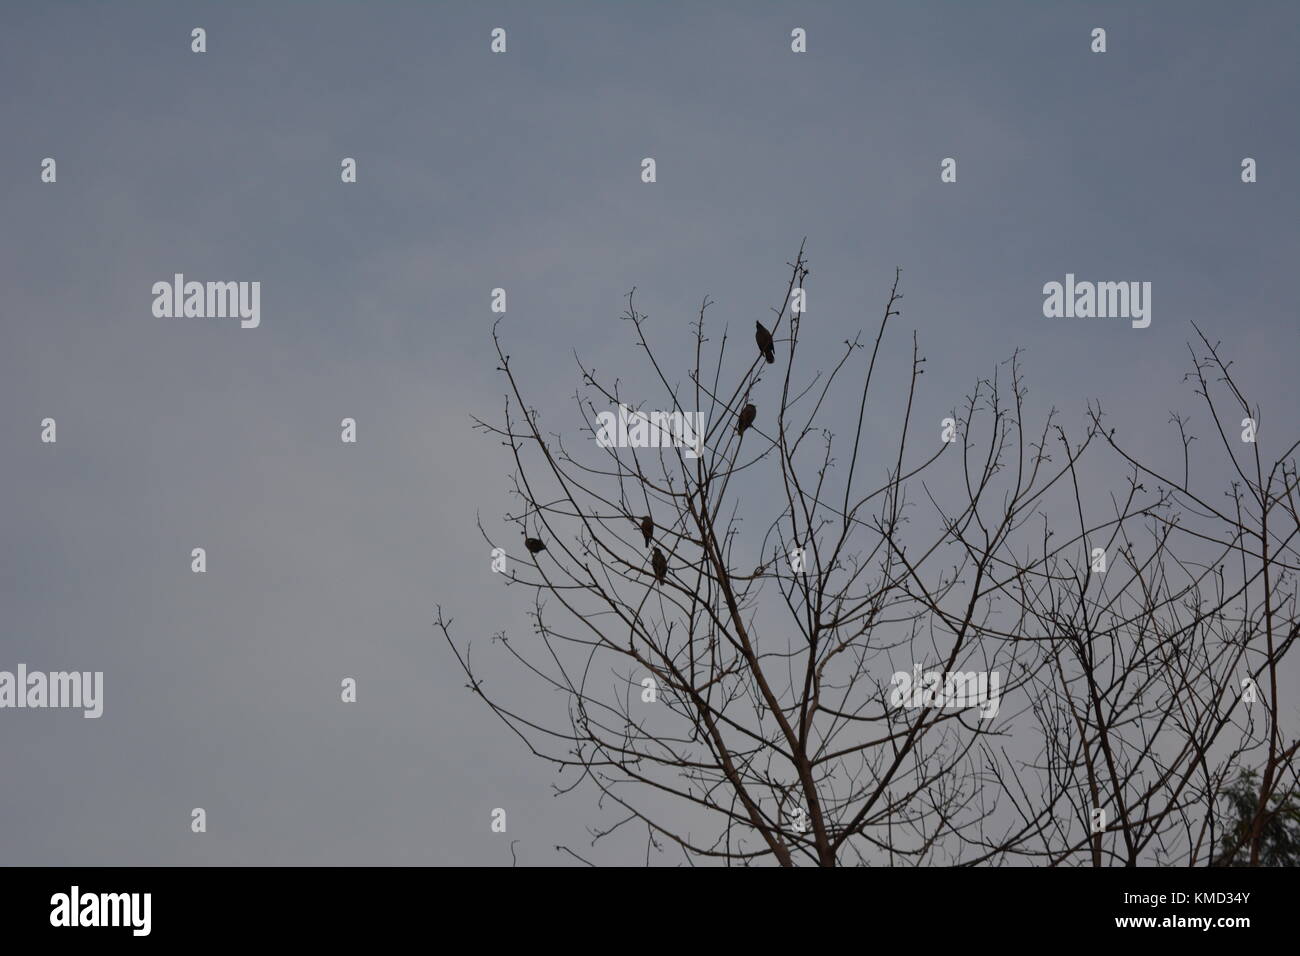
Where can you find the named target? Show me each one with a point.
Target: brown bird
(647, 529)
(764, 339)
(660, 564)
(747, 415)
(534, 545)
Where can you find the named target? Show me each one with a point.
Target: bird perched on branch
(534, 545)
(647, 529)
(747, 416)
(765, 345)
(660, 564)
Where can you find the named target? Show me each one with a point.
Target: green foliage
(1279, 835)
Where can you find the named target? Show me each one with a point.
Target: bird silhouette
(747, 416)
(764, 339)
(647, 529)
(534, 545)
(660, 564)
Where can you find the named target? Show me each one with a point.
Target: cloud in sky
(520, 171)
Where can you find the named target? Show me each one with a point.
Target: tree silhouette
(771, 699)
(1279, 829)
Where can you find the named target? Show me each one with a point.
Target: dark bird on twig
(747, 416)
(534, 545)
(660, 564)
(647, 529)
(764, 339)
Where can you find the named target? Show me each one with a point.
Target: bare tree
(779, 643)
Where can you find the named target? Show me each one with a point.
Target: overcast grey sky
(522, 171)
